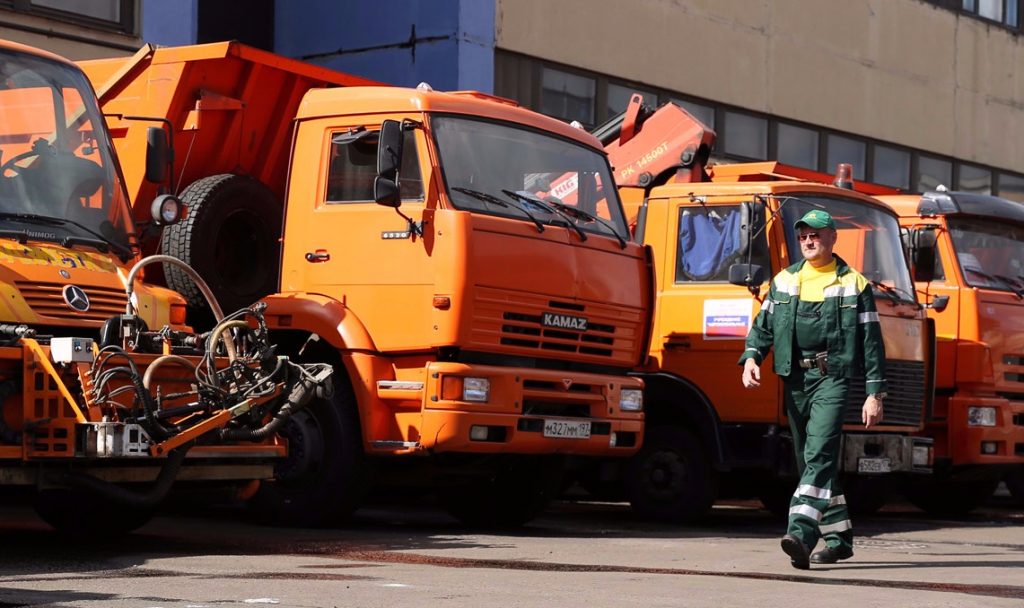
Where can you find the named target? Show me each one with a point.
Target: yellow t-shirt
(813, 281)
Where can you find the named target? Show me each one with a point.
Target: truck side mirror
(922, 254)
(938, 303)
(389, 159)
(158, 155)
(746, 275)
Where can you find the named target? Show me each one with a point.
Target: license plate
(567, 429)
(874, 465)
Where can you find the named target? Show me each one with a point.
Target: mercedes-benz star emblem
(75, 298)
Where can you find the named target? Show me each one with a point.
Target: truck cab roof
(936, 203)
(350, 101)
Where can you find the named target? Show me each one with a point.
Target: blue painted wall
(448, 43)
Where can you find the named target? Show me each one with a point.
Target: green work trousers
(815, 405)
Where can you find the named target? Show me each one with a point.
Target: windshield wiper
(548, 208)
(1014, 284)
(996, 278)
(893, 293)
(490, 198)
(123, 251)
(580, 214)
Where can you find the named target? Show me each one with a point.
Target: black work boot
(831, 555)
(797, 551)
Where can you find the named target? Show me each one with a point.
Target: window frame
(126, 23)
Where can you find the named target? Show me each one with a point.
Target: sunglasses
(808, 236)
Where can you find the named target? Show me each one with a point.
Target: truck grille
(905, 402)
(1013, 366)
(514, 322)
(46, 300)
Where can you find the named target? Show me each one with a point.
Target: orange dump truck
(717, 236)
(107, 396)
(978, 267)
(479, 334)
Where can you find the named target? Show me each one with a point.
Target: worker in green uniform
(820, 318)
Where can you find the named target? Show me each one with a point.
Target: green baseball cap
(816, 218)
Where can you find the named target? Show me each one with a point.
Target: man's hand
(751, 374)
(871, 414)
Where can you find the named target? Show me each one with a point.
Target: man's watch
(880, 396)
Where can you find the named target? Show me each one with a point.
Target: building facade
(913, 93)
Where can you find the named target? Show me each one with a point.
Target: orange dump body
(230, 108)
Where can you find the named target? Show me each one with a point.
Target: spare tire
(231, 237)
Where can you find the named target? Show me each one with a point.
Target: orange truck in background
(977, 419)
(717, 237)
(479, 334)
(107, 396)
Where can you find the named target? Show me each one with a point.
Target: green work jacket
(854, 334)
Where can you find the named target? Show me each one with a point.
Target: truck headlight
(476, 389)
(981, 416)
(631, 400)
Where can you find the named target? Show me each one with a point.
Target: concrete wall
(65, 39)
(169, 22)
(904, 71)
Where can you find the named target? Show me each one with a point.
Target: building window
(1011, 187)
(797, 146)
(107, 14)
(746, 136)
(1001, 11)
(567, 96)
(846, 150)
(618, 98)
(891, 167)
(703, 113)
(933, 172)
(974, 179)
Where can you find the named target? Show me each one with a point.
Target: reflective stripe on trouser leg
(814, 405)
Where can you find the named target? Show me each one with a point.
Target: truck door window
(710, 239)
(352, 167)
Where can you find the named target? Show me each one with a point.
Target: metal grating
(905, 403)
(46, 300)
(527, 331)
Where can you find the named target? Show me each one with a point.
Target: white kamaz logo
(550, 319)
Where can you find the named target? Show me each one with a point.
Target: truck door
(340, 243)
(704, 319)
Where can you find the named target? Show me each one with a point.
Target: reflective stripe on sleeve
(836, 527)
(806, 511)
(813, 492)
(868, 317)
(837, 500)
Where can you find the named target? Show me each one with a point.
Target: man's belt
(819, 361)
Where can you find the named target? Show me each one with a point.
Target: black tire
(517, 492)
(324, 478)
(1014, 481)
(231, 237)
(950, 498)
(671, 478)
(867, 494)
(86, 515)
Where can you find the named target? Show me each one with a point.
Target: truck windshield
(869, 240)
(58, 180)
(504, 169)
(990, 253)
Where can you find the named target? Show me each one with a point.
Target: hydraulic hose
(300, 396)
(129, 498)
(129, 287)
(159, 361)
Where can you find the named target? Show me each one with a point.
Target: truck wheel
(866, 495)
(516, 493)
(83, 514)
(950, 498)
(323, 479)
(671, 479)
(230, 237)
(1015, 484)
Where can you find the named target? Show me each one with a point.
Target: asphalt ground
(577, 554)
